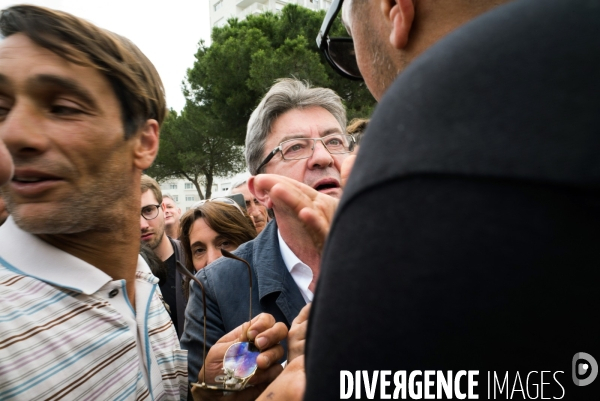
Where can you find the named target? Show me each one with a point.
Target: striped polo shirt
(68, 330)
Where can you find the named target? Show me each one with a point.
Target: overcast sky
(167, 32)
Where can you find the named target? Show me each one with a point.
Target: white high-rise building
(185, 194)
(221, 10)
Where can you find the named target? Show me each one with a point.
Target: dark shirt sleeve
(193, 335)
(467, 237)
(456, 273)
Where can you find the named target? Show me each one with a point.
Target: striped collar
(49, 263)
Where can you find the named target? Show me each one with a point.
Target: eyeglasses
(149, 212)
(221, 199)
(239, 362)
(303, 148)
(339, 52)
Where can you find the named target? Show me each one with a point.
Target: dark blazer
(179, 294)
(475, 201)
(226, 284)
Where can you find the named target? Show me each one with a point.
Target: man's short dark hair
(134, 79)
(148, 183)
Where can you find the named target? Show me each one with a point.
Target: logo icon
(585, 369)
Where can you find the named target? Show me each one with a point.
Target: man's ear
(400, 14)
(146, 145)
(259, 193)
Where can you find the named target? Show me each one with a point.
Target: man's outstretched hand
(313, 209)
(266, 335)
(287, 196)
(297, 334)
(290, 385)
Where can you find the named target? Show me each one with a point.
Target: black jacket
(468, 235)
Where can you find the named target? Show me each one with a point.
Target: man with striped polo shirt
(80, 315)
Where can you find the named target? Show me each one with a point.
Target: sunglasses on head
(239, 362)
(339, 52)
(220, 199)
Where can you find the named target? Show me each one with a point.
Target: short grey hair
(287, 94)
(169, 196)
(237, 184)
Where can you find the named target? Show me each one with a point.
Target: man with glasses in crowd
(168, 250)
(297, 132)
(479, 178)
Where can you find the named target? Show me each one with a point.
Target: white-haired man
(172, 216)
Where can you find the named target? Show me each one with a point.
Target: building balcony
(255, 8)
(243, 4)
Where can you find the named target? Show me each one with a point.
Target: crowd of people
(463, 236)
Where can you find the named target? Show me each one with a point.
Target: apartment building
(222, 10)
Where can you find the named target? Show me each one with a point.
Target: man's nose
(321, 157)
(23, 131)
(143, 223)
(212, 254)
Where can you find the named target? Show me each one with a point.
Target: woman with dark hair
(212, 226)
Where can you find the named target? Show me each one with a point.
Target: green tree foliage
(190, 150)
(230, 77)
(228, 80)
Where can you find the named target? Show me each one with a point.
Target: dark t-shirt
(168, 289)
(468, 235)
